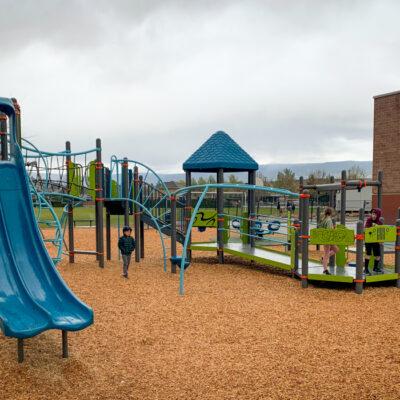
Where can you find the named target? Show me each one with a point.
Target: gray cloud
(290, 81)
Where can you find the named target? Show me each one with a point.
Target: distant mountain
(271, 170)
(332, 168)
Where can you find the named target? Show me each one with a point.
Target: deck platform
(280, 260)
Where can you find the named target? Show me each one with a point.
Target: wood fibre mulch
(240, 332)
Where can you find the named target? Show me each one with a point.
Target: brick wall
(386, 156)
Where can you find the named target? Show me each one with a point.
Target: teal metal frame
(205, 189)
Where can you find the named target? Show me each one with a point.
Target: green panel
(92, 179)
(382, 277)
(226, 233)
(330, 278)
(292, 244)
(244, 227)
(75, 179)
(202, 248)
(380, 234)
(206, 218)
(114, 189)
(339, 236)
(341, 258)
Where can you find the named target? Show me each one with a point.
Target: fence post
(359, 257)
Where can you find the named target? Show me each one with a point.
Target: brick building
(387, 151)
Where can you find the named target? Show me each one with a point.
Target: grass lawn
(82, 215)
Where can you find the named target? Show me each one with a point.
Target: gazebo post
(251, 207)
(188, 212)
(220, 217)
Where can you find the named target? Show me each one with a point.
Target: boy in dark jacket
(126, 245)
(373, 248)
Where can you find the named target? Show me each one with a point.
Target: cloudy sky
(291, 81)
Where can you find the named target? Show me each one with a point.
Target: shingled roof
(220, 151)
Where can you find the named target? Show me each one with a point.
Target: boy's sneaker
(366, 272)
(125, 276)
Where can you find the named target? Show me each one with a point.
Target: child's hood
(378, 213)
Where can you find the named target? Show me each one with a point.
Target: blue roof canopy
(220, 151)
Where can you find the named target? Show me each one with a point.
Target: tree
(232, 179)
(355, 172)
(211, 179)
(286, 180)
(317, 177)
(201, 181)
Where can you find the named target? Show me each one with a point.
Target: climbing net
(64, 175)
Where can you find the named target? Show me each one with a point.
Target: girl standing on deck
(373, 248)
(329, 249)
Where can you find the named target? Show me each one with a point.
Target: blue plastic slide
(33, 296)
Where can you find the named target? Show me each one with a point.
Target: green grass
(88, 213)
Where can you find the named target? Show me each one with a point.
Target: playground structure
(130, 188)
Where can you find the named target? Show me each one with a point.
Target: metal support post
(343, 198)
(136, 212)
(64, 344)
(220, 217)
(70, 209)
(173, 233)
(188, 212)
(359, 281)
(304, 238)
(141, 223)
(99, 205)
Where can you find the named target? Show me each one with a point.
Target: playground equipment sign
(380, 234)
(341, 236)
(206, 218)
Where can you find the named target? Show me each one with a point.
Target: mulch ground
(240, 332)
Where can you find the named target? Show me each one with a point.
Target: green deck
(280, 260)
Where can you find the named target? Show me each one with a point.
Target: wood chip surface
(240, 332)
